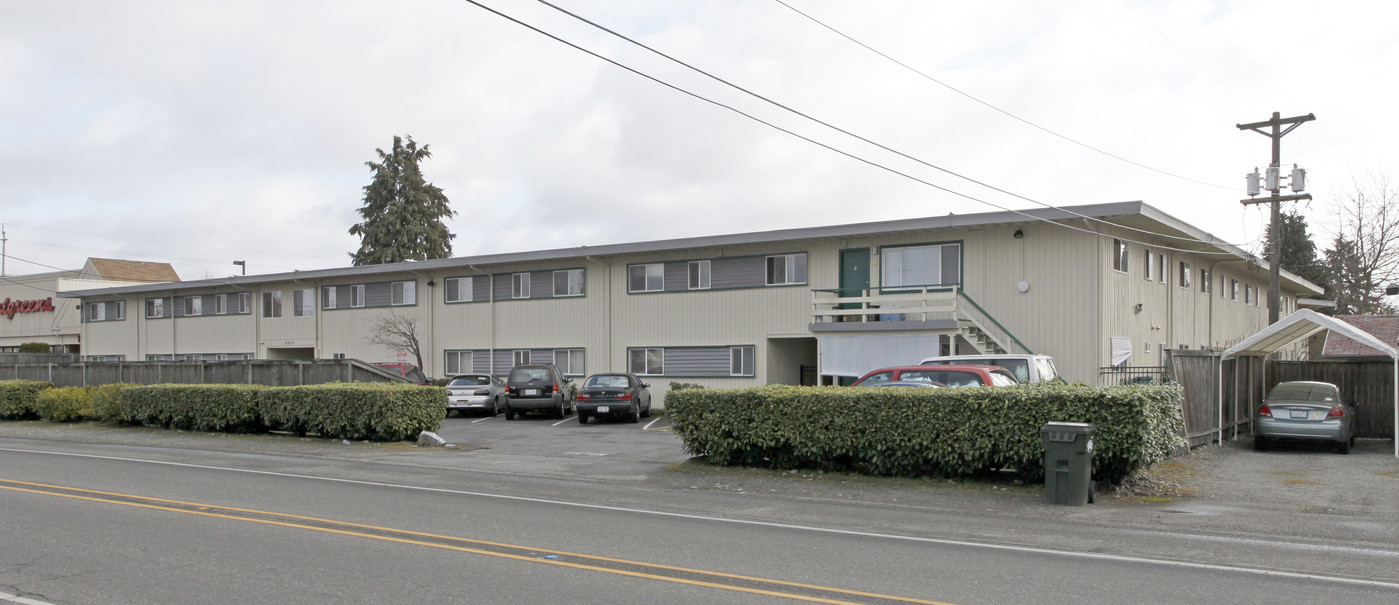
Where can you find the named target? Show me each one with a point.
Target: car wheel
(635, 414)
(495, 407)
(509, 413)
(1343, 447)
(582, 419)
(646, 413)
(559, 413)
(1260, 443)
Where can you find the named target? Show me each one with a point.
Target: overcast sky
(200, 132)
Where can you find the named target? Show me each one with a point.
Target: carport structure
(1297, 326)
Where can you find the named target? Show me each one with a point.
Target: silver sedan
(1304, 410)
(474, 392)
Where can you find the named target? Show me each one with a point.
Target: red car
(952, 376)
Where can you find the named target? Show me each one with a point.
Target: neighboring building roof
(112, 269)
(1383, 327)
(1132, 215)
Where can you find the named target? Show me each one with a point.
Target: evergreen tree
(402, 212)
(1298, 250)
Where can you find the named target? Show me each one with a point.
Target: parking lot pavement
(543, 445)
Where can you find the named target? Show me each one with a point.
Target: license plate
(1298, 414)
(602, 409)
(531, 392)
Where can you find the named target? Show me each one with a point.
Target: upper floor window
(646, 278)
(220, 304)
(699, 274)
(1119, 255)
(328, 297)
(921, 265)
(786, 269)
(357, 295)
(1233, 289)
(194, 305)
(1165, 268)
(303, 303)
(272, 303)
(1185, 274)
(568, 282)
(106, 311)
(1148, 265)
(1205, 281)
(519, 286)
(155, 307)
(404, 293)
(459, 289)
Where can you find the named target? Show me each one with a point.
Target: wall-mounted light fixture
(1139, 308)
(1019, 233)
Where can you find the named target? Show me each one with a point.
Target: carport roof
(1302, 324)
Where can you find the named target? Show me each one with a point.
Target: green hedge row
(924, 432)
(381, 412)
(19, 397)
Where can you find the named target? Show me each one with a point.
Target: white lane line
(1269, 573)
(569, 419)
(482, 419)
(6, 597)
(650, 424)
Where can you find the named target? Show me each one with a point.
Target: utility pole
(1271, 184)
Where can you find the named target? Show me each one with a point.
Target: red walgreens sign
(10, 307)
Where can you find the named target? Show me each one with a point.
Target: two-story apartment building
(1093, 286)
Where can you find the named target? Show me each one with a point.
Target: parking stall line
(482, 419)
(570, 419)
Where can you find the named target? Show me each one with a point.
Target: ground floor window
(646, 362)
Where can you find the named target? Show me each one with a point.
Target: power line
(833, 127)
(994, 107)
(1182, 51)
(147, 241)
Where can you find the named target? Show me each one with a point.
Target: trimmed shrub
(64, 404)
(17, 398)
(361, 410)
(35, 347)
(229, 408)
(924, 432)
(106, 402)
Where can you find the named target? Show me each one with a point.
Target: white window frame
(328, 297)
(245, 302)
(1186, 272)
(1119, 256)
(1206, 281)
(1149, 264)
(519, 285)
(220, 304)
(647, 355)
(356, 296)
(303, 302)
(97, 311)
(460, 289)
(741, 361)
(570, 361)
(788, 264)
(194, 306)
(452, 362)
(272, 303)
(403, 293)
(519, 357)
(898, 270)
(700, 273)
(652, 277)
(573, 283)
(1234, 289)
(118, 310)
(155, 308)
(1165, 268)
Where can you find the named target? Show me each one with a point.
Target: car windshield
(528, 374)
(952, 378)
(462, 381)
(608, 382)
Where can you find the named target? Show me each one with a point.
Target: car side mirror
(645, 385)
(568, 380)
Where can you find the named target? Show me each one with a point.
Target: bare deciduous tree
(1364, 255)
(397, 332)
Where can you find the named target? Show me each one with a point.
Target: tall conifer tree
(402, 212)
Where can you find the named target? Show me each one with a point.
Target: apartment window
(520, 357)
(913, 266)
(1148, 347)
(220, 304)
(404, 293)
(519, 285)
(570, 361)
(1119, 255)
(1148, 265)
(740, 361)
(459, 362)
(116, 310)
(155, 307)
(272, 303)
(244, 303)
(646, 362)
(194, 305)
(786, 269)
(357, 295)
(1163, 268)
(1233, 289)
(459, 289)
(1185, 274)
(1223, 287)
(568, 282)
(97, 311)
(646, 278)
(1205, 281)
(328, 297)
(303, 303)
(1248, 294)
(699, 275)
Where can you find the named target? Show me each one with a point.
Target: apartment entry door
(854, 276)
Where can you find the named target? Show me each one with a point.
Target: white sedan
(474, 392)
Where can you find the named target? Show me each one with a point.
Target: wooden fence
(1368, 385)
(270, 372)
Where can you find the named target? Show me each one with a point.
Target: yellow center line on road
(666, 573)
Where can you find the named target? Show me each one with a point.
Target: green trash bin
(1068, 463)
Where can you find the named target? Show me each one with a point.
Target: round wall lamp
(1023, 287)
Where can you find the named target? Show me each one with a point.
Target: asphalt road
(531, 511)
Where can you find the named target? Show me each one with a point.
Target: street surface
(543, 511)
